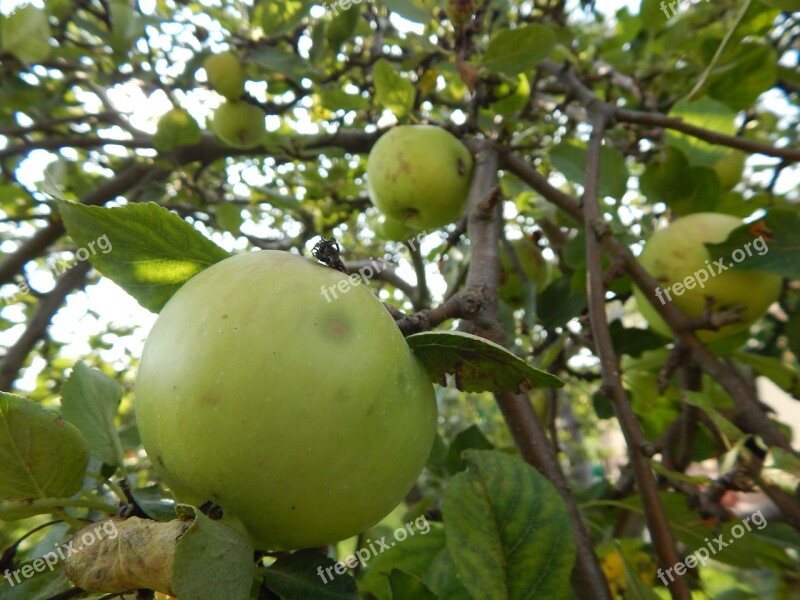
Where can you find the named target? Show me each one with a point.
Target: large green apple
(419, 175)
(225, 74)
(533, 265)
(273, 387)
(677, 258)
(239, 124)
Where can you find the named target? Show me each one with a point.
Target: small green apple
(677, 255)
(394, 231)
(419, 175)
(239, 124)
(729, 169)
(176, 128)
(511, 97)
(275, 388)
(533, 265)
(225, 74)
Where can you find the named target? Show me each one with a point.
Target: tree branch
(483, 229)
(37, 325)
(589, 100)
(656, 518)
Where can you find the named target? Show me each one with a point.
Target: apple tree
(395, 299)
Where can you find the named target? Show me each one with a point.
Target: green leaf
(303, 575)
(229, 216)
(41, 455)
(558, 304)
(155, 502)
(392, 91)
(514, 51)
(793, 334)
(281, 16)
(342, 27)
(151, 251)
(787, 5)
(709, 114)
(47, 584)
(784, 376)
(90, 400)
(477, 364)
(212, 560)
(419, 11)
(423, 556)
(508, 530)
(740, 83)
(685, 189)
(570, 159)
(771, 244)
(471, 438)
(408, 587)
(125, 26)
(277, 59)
(26, 34)
(728, 430)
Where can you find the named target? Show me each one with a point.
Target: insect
(327, 251)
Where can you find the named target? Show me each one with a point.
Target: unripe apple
(511, 97)
(419, 175)
(176, 128)
(239, 124)
(533, 265)
(677, 255)
(273, 387)
(225, 74)
(729, 169)
(394, 231)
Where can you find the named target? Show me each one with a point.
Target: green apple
(175, 129)
(225, 74)
(511, 97)
(676, 256)
(394, 231)
(419, 175)
(239, 124)
(273, 387)
(729, 169)
(533, 265)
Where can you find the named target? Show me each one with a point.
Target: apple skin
(225, 74)
(175, 129)
(511, 97)
(307, 421)
(729, 169)
(533, 265)
(672, 254)
(239, 124)
(419, 175)
(394, 231)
